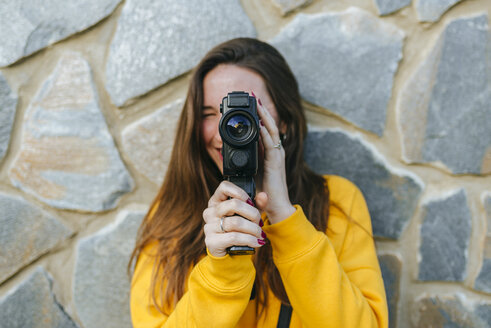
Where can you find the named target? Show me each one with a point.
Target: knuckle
(206, 229)
(233, 223)
(234, 190)
(226, 186)
(228, 207)
(236, 203)
(232, 238)
(227, 225)
(222, 208)
(212, 242)
(208, 214)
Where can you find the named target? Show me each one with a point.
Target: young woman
(315, 263)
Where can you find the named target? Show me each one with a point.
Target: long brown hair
(176, 222)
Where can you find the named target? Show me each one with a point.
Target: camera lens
(238, 127)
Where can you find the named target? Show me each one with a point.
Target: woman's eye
(205, 114)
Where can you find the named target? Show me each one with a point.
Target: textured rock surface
(32, 304)
(27, 232)
(288, 5)
(483, 280)
(449, 311)
(390, 266)
(67, 157)
(27, 26)
(344, 62)
(156, 41)
(483, 311)
(391, 197)
(432, 10)
(8, 104)
(101, 285)
(148, 141)
(386, 7)
(444, 108)
(445, 234)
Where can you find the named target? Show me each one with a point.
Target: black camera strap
(253, 292)
(285, 311)
(285, 316)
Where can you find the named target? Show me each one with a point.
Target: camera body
(239, 129)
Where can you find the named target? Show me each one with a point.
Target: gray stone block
(449, 311)
(26, 233)
(67, 156)
(386, 7)
(287, 6)
(444, 110)
(483, 280)
(344, 62)
(148, 142)
(32, 304)
(8, 105)
(483, 311)
(432, 10)
(156, 41)
(391, 196)
(445, 235)
(28, 26)
(101, 285)
(390, 266)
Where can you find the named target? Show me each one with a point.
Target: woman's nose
(218, 138)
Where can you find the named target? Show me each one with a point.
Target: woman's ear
(283, 127)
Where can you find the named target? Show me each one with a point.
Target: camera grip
(240, 250)
(247, 183)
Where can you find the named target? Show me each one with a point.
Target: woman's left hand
(273, 199)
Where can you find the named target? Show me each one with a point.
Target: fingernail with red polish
(261, 223)
(261, 122)
(259, 101)
(261, 242)
(263, 235)
(252, 92)
(249, 201)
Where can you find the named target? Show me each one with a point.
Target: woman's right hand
(240, 220)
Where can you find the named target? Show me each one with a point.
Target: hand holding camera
(231, 216)
(239, 129)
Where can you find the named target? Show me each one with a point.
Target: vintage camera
(239, 129)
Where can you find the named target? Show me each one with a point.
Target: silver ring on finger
(221, 224)
(278, 145)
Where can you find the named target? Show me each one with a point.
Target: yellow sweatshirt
(332, 279)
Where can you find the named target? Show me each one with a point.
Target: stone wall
(398, 98)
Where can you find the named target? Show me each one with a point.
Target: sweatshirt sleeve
(327, 289)
(218, 292)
